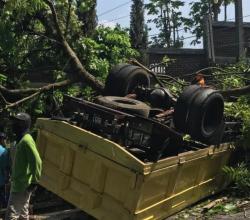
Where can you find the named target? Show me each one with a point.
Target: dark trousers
(3, 197)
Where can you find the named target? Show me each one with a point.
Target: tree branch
(3, 99)
(32, 90)
(235, 92)
(10, 105)
(17, 91)
(30, 53)
(74, 60)
(43, 36)
(135, 62)
(68, 17)
(36, 92)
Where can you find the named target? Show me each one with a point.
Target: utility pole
(209, 38)
(239, 29)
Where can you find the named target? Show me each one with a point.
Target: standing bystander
(26, 169)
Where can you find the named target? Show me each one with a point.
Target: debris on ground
(218, 207)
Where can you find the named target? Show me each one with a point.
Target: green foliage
(241, 110)
(176, 87)
(23, 7)
(240, 176)
(233, 77)
(168, 20)
(236, 76)
(227, 208)
(196, 16)
(107, 47)
(167, 61)
(29, 45)
(86, 12)
(198, 10)
(3, 78)
(83, 5)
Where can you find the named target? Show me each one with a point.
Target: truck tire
(110, 85)
(206, 114)
(199, 112)
(217, 138)
(127, 105)
(182, 107)
(124, 81)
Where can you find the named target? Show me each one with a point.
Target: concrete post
(239, 30)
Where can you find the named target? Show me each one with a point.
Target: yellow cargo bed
(103, 179)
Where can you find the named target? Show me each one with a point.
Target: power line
(125, 16)
(152, 35)
(193, 36)
(224, 28)
(183, 38)
(240, 17)
(112, 9)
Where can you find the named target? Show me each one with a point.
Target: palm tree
(137, 26)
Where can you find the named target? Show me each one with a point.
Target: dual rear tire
(199, 112)
(124, 78)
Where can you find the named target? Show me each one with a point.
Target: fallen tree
(54, 33)
(54, 36)
(75, 63)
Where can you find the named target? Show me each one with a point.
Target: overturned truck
(124, 156)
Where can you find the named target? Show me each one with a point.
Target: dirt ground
(237, 216)
(76, 214)
(216, 208)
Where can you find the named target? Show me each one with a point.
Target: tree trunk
(216, 9)
(166, 25)
(74, 61)
(137, 25)
(216, 15)
(88, 18)
(174, 28)
(225, 12)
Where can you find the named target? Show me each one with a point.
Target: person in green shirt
(26, 169)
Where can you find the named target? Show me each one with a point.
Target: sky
(111, 12)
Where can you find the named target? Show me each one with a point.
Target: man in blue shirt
(4, 162)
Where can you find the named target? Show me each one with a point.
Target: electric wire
(152, 35)
(116, 19)
(113, 9)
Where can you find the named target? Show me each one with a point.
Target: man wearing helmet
(26, 169)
